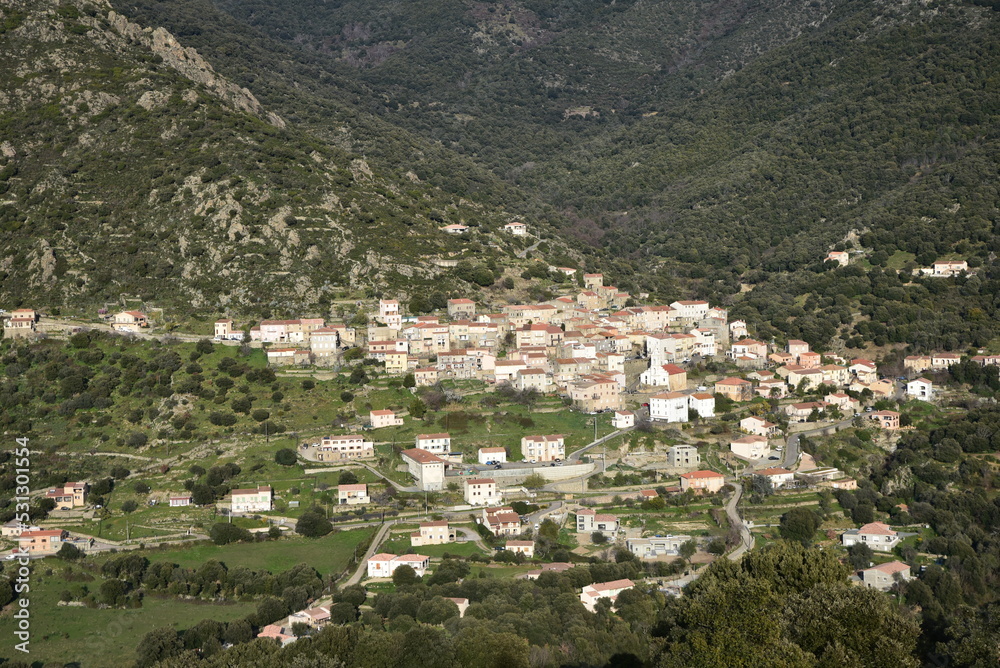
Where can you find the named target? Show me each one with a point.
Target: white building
(702, 403)
(384, 418)
(589, 521)
(518, 229)
(525, 547)
(436, 443)
(879, 537)
(180, 500)
(252, 500)
(593, 593)
(426, 468)
(669, 407)
(492, 456)
(388, 313)
(749, 447)
(921, 388)
(656, 546)
(543, 448)
(384, 565)
(778, 476)
(481, 491)
(352, 495)
(623, 419)
(349, 446)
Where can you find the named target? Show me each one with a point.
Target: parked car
(498, 466)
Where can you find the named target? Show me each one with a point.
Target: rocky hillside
(129, 165)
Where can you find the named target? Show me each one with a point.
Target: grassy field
(100, 638)
(328, 554)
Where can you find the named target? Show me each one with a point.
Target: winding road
(746, 538)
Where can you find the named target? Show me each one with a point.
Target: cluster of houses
(573, 345)
(431, 458)
(24, 323)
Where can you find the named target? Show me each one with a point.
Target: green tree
(409, 381)
(437, 610)
(687, 549)
(313, 524)
(223, 533)
(347, 478)
(534, 481)
(844, 625)
(860, 555)
(69, 552)
(799, 524)
(157, 645)
(286, 457)
(418, 409)
(404, 575)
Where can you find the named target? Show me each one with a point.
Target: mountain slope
(131, 167)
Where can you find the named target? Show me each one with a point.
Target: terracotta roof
(359, 487)
(519, 543)
(702, 474)
(421, 456)
(41, 533)
(777, 470)
(668, 395)
(877, 528)
(609, 586)
(422, 437)
(481, 481)
(733, 381)
(439, 523)
(891, 567)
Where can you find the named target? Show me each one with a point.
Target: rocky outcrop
(189, 62)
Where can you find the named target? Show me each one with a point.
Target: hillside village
(675, 373)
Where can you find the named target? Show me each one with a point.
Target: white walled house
(876, 535)
(426, 468)
(749, 447)
(525, 547)
(669, 407)
(921, 389)
(481, 491)
(353, 494)
(655, 546)
(252, 500)
(779, 477)
(384, 418)
(589, 521)
(384, 565)
(623, 419)
(492, 455)
(436, 443)
(593, 593)
(702, 403)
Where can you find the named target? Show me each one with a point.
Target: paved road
(524, 253)
(362, 568)
(746, 538)
(792, 446)
(471, 535)
(575, 456)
